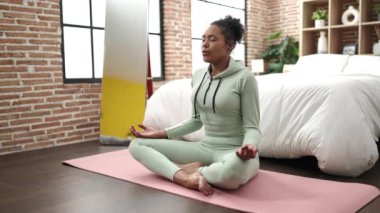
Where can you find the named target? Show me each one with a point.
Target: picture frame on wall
(350, 49)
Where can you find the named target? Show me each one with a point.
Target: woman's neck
(219, 67)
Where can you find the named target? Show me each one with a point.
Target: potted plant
(376, 9)
(319, 16)
(285, 52)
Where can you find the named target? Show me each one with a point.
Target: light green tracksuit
(227, 105)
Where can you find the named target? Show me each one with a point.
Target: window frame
(93, 79)
(161, 34)
(91, 28)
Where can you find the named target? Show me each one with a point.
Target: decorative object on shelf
(376, 9)
(322, 42)
(376, 46)
(286, 52)
(350, 49)
(257, 66)
(319, 16)
(350, 16)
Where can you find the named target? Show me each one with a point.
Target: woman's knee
(235, 174)
(135, 147)
(233, 179)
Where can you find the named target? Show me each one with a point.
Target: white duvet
(334, 118)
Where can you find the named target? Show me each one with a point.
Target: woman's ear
(230, 45)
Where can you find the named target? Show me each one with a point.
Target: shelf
(310, 39)
(341, 36)
(338, 7)
(368, 32)
(308, 7)
(316, 1)
(371, 23)
(344, 26)
(338, 35)
(312, 29)
(367, 13)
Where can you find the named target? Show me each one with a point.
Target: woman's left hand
(247, 152)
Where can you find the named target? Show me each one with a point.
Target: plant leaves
(271, 52)
(286, 52)
(274, 35)
(276, 67)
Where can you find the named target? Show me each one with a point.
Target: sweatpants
(222, 167)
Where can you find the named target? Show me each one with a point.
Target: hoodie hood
(233, 67)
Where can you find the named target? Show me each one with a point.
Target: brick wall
(263, 18)
(280, 15)
(37, 110)
(283, 16)
(177, 40)
(257, 28)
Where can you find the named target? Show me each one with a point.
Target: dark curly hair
(231, 28)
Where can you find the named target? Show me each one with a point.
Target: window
(83, 40)
(83, 24)
(201, 19)
(155, 39)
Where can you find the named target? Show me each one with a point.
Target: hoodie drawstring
(213, 98)
(196, 94)
(204, 98)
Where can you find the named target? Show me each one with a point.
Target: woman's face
(214, 46)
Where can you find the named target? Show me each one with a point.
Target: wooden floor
(36, 181)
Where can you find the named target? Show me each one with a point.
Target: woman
(225, 102)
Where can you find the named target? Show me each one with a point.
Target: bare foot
(191, 167)
(193, 181)
(198, 182)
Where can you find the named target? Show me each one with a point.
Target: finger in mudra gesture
(147, 132)
(247, 151)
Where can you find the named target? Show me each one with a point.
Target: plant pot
(376, 48)
(319, 23)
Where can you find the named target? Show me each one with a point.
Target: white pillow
(363, 64)
(321, 64)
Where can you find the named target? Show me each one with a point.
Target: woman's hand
(148, 132)
(247, 152)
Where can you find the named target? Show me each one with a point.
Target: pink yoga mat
(267, 192)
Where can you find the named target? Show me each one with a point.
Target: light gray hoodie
(227, 105)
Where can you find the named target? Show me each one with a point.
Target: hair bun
(231, 28)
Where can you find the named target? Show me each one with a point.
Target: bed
(327, 107)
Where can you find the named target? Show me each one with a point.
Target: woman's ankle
(190, 167)
(181, 177)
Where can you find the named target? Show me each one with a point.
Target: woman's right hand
(148, 132)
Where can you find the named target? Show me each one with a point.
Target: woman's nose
(205, 44)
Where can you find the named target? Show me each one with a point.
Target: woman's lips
(205, 53)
